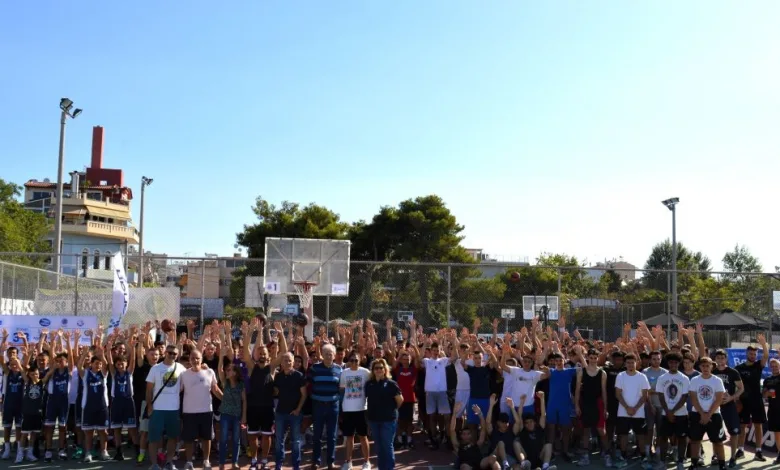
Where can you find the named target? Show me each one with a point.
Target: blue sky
(546, 126)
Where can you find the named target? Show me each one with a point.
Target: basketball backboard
(290, 260)
(532, 306)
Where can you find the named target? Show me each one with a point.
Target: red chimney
(97, 147)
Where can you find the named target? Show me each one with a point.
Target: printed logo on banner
(80, 323)
(64, 322)
(44, 322)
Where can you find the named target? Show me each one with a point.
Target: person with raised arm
(13, 382)
(753, 411)
(466, 448)
(94, 409)
(58, 384)
(122, 413)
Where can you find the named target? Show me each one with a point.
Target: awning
(74, 211)
(110, 213)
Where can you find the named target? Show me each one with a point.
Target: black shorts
(678, 428)
(94, 419)
(307, 407)
(773, 420)
(354, 422)
(406, 411)
(612, 410)
(624, 424)
(260, 420)
(730, 417)
(753, 411)
(590, 414)
(197, 426)
(123, 413)
(32, 423)
(714, 429)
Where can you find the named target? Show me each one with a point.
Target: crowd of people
(519, 400)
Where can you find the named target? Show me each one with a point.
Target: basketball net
(305, 290)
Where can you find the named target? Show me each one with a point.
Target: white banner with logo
(145, 304)
(121, 295)
(31, 326)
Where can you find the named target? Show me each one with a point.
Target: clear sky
(545, 126)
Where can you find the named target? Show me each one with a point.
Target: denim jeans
(283, 421)
(383, 433)
(229, 427)
(325, 414)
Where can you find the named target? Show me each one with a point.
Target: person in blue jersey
(58, 381)
(122, 412)
(560, 401)
(94, 403)
(32, 413)
(325, 377)
(13, 388)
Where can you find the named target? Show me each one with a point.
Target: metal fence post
(2, 284)
(13, 282)
(449, 293)
(327, 316)
(76, 295)
(202, 293)
(38, 285)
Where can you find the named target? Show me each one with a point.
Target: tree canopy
(21, 230)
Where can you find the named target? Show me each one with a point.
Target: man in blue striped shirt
(325, 377)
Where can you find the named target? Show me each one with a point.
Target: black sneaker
(714, 461)
(740, 454)
(777, 460)
(759, 457)
(118, 455)
(733, 462)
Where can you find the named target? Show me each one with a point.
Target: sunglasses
(379, 368)
(171, 353)
(353, 360)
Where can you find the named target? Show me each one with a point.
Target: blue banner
(739, 355)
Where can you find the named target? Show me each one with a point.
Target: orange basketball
(166, 326)
(514, 277)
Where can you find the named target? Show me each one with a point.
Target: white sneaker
(19, 454)
(347, 466)
(87, 457)
(30, 456)
(104, 455)
(366, 466)
(6, 451)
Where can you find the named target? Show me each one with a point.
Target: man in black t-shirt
(728, 408)
(613, 369)
(752, 403)
(771, 392)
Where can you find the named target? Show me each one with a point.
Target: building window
(38, 195)
(108, 261)
(84, 260)
(96, 260)
(95, 195)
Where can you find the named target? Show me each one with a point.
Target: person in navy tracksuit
(13, 390)
(94, 412)
(122, 403)
(57, 382)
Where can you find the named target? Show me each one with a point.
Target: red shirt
(406, 377)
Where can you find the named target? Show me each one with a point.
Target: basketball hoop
(305, 290)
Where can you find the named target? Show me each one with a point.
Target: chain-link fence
(595, 300)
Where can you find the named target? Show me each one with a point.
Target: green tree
(706, 296)
(289, 220)
(739, 261)
(687, 260)
(418, 230)
(21, 230)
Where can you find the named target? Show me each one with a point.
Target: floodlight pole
(671, 204)
(66, 106)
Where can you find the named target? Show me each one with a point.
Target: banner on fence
(121, 294)
(16, 307)
(737, 356)
(145, 304)
(31, 326)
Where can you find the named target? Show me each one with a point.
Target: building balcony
(121, 233)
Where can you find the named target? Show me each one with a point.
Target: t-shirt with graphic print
(674, 388)
(705, 390)
(354, 384)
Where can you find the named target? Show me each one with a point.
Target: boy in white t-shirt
(672, 389)
(353, 408)
(631, 390)
(436, 402)
(706, 392)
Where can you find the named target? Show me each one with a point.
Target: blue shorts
(94, 419)
(12, 414)
(123, 413)
(484, 405)
(57, 411)
(167, 422)
(559, 412)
